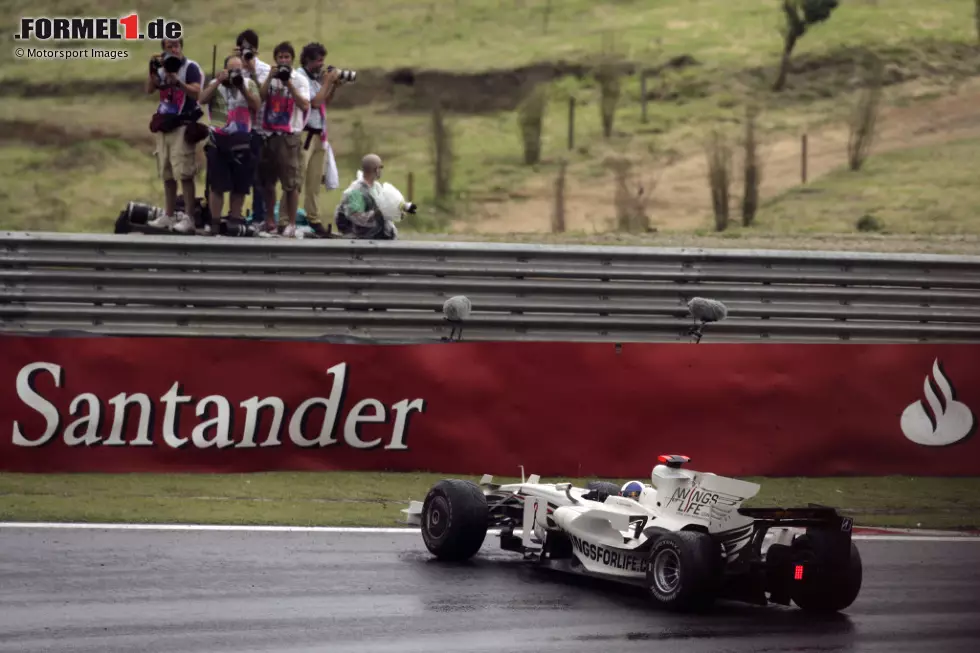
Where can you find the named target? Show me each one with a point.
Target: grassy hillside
(475, 35)
(376, 499)
(72, 159)
(926, 190)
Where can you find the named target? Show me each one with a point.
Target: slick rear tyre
(828, 585)
(682, 570)
(454, 520)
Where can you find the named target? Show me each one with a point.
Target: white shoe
(185, 224)
(289, 231)
(163, 222)
(265, 230)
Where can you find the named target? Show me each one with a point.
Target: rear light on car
(798, 574)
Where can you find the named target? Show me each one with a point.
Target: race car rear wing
(813, 515)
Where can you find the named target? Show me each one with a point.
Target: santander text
(217, 431)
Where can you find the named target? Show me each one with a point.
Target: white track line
(210, 527)
(916, 538)
(372, 530)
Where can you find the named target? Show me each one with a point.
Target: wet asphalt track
(207, 592)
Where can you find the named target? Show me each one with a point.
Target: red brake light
(798, 574)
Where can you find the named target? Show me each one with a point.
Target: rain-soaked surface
(123, 591)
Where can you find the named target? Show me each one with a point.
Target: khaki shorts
(176, 159)
(282, 161)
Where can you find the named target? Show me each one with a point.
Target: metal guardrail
(196, 286)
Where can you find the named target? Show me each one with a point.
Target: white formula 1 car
(686, 538)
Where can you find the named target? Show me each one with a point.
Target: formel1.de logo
(125, 28)
(946, 422)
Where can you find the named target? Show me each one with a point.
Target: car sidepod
(599, 547)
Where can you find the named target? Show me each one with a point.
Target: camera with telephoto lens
(171, 62)
(235, 78)
(283, 72)
(344, 75)
(235, 228)
(248, 54)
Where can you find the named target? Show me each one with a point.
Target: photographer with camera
(175, 125)
(247, 47)
(232, 99)
(286, 93)
(316, 147)
(359, 215)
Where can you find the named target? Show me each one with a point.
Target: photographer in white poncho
(369, 208)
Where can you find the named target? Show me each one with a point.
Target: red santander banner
(558, 409)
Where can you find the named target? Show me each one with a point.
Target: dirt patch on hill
(412, 89)
(681, 197)
(819, 76)
(55, 135)
(404, 89)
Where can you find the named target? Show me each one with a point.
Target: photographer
(175, 125)
(315, 144)
(286, 93)
(247, 47)
(232, 100)
(358, 215)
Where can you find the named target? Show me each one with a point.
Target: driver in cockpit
(631, 490)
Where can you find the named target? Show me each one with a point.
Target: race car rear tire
(682, 570)
(454, 519)
(831, 585)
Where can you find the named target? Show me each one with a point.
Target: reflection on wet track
(89, 591)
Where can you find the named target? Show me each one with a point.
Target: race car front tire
(682, 570)
(454, 519)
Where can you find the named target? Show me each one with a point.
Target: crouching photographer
(175, 125)
(232, 100)
(367, 208)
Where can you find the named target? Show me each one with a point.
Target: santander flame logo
(950, 421)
